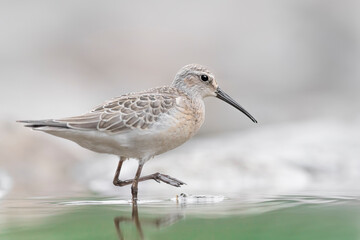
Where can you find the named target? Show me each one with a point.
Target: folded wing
(123, 113)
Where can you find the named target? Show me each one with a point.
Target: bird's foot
(167, 179)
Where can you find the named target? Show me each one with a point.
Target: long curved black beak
(226, 98)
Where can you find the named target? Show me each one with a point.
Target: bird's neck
(192, 93)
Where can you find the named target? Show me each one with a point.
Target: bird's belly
(152, 142)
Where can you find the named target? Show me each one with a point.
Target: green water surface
(269, 217)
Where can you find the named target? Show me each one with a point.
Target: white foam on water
(197, 199)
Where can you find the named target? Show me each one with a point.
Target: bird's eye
(204, 78)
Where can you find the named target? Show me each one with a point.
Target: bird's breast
(175, 127)
(187, 120)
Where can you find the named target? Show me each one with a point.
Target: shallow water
(200, 217)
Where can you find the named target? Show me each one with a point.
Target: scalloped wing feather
(133, 111)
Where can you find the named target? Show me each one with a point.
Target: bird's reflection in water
(157, 222)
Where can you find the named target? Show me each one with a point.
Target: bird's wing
(124, 113)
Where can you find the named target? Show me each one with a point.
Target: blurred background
(294, 65)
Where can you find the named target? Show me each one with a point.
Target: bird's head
(197, 81)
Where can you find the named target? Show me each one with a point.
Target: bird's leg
(134, 186)
(117, 181)
(158, 177)
(163, 178)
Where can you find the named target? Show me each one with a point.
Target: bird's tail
(38, 124)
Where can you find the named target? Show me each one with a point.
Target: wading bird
(144, 124)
